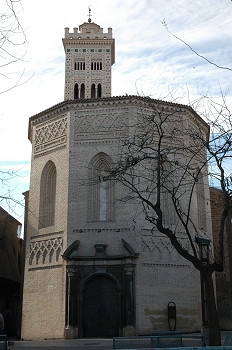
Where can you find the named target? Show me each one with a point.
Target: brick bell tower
(89, 55)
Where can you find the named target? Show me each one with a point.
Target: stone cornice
(87, 42)
(68, 105)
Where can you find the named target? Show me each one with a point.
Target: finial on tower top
(89, 19)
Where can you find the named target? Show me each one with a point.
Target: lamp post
(203, 244)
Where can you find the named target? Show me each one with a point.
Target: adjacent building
(11, 273)
(224, 278)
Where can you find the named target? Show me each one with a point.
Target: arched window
(93, 91)
(47, 195)
(76, 92)
(101, 190)
(82, 93)
(200, 189)
(99, 90)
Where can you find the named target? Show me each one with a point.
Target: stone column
(128, 330)
(71, 331)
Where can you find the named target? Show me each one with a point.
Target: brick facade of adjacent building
(223, 279)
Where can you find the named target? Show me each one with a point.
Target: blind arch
(47, 195)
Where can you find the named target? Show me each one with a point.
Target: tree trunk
(213, 321)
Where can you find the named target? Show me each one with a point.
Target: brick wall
(223, 279)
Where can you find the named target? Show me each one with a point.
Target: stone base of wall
(128, 331)
(71, 332)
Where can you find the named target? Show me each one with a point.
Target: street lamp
(203, 244)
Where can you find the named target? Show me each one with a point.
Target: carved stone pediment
(71, 253)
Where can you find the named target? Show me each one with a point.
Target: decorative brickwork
(101, 229)
(166, 265)
(107, 120)
(150, 243)
(89, 126)
(50, 135)
(44, 252)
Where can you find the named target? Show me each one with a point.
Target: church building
(92, 269)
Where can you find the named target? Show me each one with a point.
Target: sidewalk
(72, 344)
(77, 344)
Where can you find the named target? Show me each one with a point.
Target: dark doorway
(101, 308)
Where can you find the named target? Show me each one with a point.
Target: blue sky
(148, 61)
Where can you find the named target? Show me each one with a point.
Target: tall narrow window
(76, 92)
(47, 195)
(79, 65)
(103, 201)
(99, 90)
(82, 91)
(201, 201)
(101, 190)
(96, 65)
(93, 91)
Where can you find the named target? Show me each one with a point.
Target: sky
(149, 60)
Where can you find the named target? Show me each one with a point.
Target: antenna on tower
(89, 19)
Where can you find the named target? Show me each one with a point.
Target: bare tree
(193, 50)
(12, 36)
(164, 164)
(12, 40)
(7, 197)
(217, 113)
